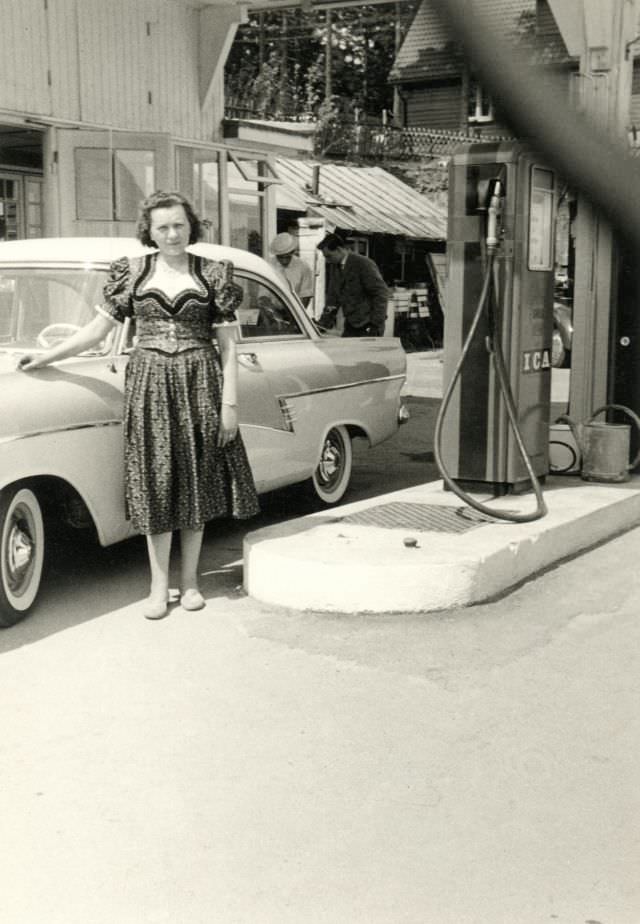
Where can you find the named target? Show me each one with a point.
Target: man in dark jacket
(356, 286)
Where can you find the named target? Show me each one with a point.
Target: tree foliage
(278, 62)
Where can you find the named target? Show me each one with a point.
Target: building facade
(105, 101)
(595, 48)
(436, 86)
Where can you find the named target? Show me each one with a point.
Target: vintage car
(562, 333)
(303, 397)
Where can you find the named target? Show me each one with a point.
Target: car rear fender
(368, 410)
(364, 391)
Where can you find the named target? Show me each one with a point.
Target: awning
(366, 200)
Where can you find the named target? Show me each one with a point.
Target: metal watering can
(604, 447)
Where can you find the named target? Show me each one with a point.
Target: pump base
(496, 488)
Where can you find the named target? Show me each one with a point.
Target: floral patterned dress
(176, 476)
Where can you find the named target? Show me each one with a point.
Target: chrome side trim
(326, 388)
(288, 414)
(45, 432)
(254, 426)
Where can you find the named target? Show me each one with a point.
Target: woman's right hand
(83, 339)
(28, 363)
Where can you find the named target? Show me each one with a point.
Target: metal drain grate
(424, 517)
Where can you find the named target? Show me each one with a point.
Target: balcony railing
(370, 139)
(385, 142)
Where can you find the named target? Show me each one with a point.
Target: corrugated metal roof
(368, 200)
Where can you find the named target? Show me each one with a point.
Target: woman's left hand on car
(228, 424)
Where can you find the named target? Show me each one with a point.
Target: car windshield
(40, 307)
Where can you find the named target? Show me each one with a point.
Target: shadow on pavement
(84, 581)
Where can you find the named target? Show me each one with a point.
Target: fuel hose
(494, 348)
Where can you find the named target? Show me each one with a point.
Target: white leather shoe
(192, 599)
(155, 609)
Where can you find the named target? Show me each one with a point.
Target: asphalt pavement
(248, 764)
(256, 764)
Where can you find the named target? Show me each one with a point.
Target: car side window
(129, 335)
(40, 307)
(264, 313)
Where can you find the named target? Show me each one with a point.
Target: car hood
(8, 361)
(57, 397)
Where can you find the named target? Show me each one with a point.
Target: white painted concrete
(322, 563)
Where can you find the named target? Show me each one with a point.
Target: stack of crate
(408, 316)
(422, 301)
(399, 301)
(410, 301)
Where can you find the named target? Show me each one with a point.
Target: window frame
(111, 181)
(483, 110)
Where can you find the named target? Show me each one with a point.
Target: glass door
(10, 207)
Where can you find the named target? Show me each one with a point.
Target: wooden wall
(436, 106)
(129, 64)
(24, 57)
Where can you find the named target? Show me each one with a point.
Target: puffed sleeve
(227, 294)
(117, 291)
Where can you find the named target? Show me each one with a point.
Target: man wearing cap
(356, 286)
(295, 271)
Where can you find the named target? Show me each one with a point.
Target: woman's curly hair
(165, 200)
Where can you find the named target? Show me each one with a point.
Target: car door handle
(248, 359)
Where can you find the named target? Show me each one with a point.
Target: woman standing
(185, 462)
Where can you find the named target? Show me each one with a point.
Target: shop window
(245, 207)
(237, 216)
(134, 179)
(198, 176)
(360, 245)
(33, 196)
(9, 215)
(111, 183)
(93, 184)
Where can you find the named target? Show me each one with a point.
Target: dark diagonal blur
(528, 95)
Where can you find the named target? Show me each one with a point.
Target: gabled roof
(368, 200)
(427, 52)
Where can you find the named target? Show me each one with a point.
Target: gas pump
(492, 432)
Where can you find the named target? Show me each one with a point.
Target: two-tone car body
(303, 397)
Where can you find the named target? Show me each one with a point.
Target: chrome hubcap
(330, 467)
(19, 552)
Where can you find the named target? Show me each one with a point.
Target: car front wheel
(331, 478)
(21, 553)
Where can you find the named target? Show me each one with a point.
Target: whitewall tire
(333, 473)
(21, 553)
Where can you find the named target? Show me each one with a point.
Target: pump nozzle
(493, 214)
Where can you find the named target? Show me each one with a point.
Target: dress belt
(172, 344)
